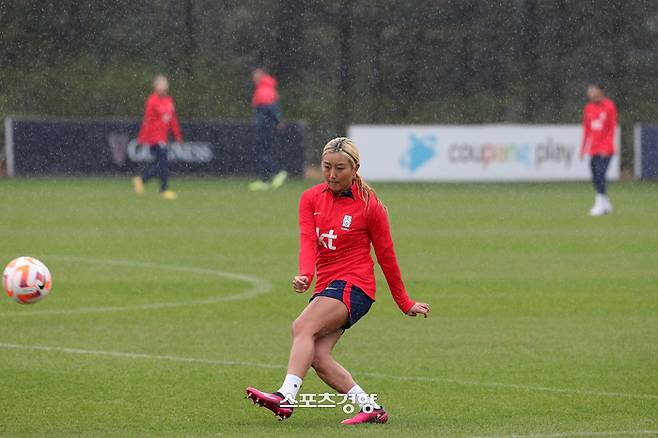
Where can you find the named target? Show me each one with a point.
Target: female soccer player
(339, 220)
(159, 118)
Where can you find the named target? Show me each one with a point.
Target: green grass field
(544, 320)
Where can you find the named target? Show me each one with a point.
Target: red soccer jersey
(265, 92)
(159, 117)
(335, 238)
(599, 124)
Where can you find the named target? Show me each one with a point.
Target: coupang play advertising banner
(473, 153)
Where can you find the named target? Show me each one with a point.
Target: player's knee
(301, 327)
(296, 327)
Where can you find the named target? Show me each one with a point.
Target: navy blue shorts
(354, 298)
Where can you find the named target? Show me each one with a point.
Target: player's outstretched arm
(308, 245)
(584, 145)
(380, 234)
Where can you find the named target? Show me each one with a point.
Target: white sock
(290, 387)
(362, 398)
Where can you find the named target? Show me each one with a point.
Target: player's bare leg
(337, 377)
(331, 372)
(323, 315)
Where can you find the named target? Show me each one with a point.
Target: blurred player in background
(159, 119)
(266, 120)
(599, 125)
(339, 221)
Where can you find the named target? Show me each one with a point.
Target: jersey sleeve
(308, 243)
(584, 146)
(612, 128)
(146, 123)
(379, 231)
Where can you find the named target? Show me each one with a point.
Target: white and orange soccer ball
(26, 280)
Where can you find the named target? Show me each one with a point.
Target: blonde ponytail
(364, 189)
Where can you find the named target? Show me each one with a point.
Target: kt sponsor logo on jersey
(327, 239)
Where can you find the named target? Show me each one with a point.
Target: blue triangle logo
(421, 150)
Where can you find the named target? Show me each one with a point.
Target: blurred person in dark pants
(267, 118)
(599, 125)
(159, 119)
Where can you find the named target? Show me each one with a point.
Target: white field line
(579, 434)
(258, 287)
(511, 386)
(124, 355)
(529, 388)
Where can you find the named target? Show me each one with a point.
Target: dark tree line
(338, 62)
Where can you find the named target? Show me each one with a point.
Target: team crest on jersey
(597, 124)
(347, 222)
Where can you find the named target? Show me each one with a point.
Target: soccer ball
(26, 280)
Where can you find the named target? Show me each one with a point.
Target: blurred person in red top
(159, 119)
(599, 126)
(339, 221)
(267, 117)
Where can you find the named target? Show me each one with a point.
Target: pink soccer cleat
(274, 402)
(379, 416)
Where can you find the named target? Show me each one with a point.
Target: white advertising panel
(473, 153)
